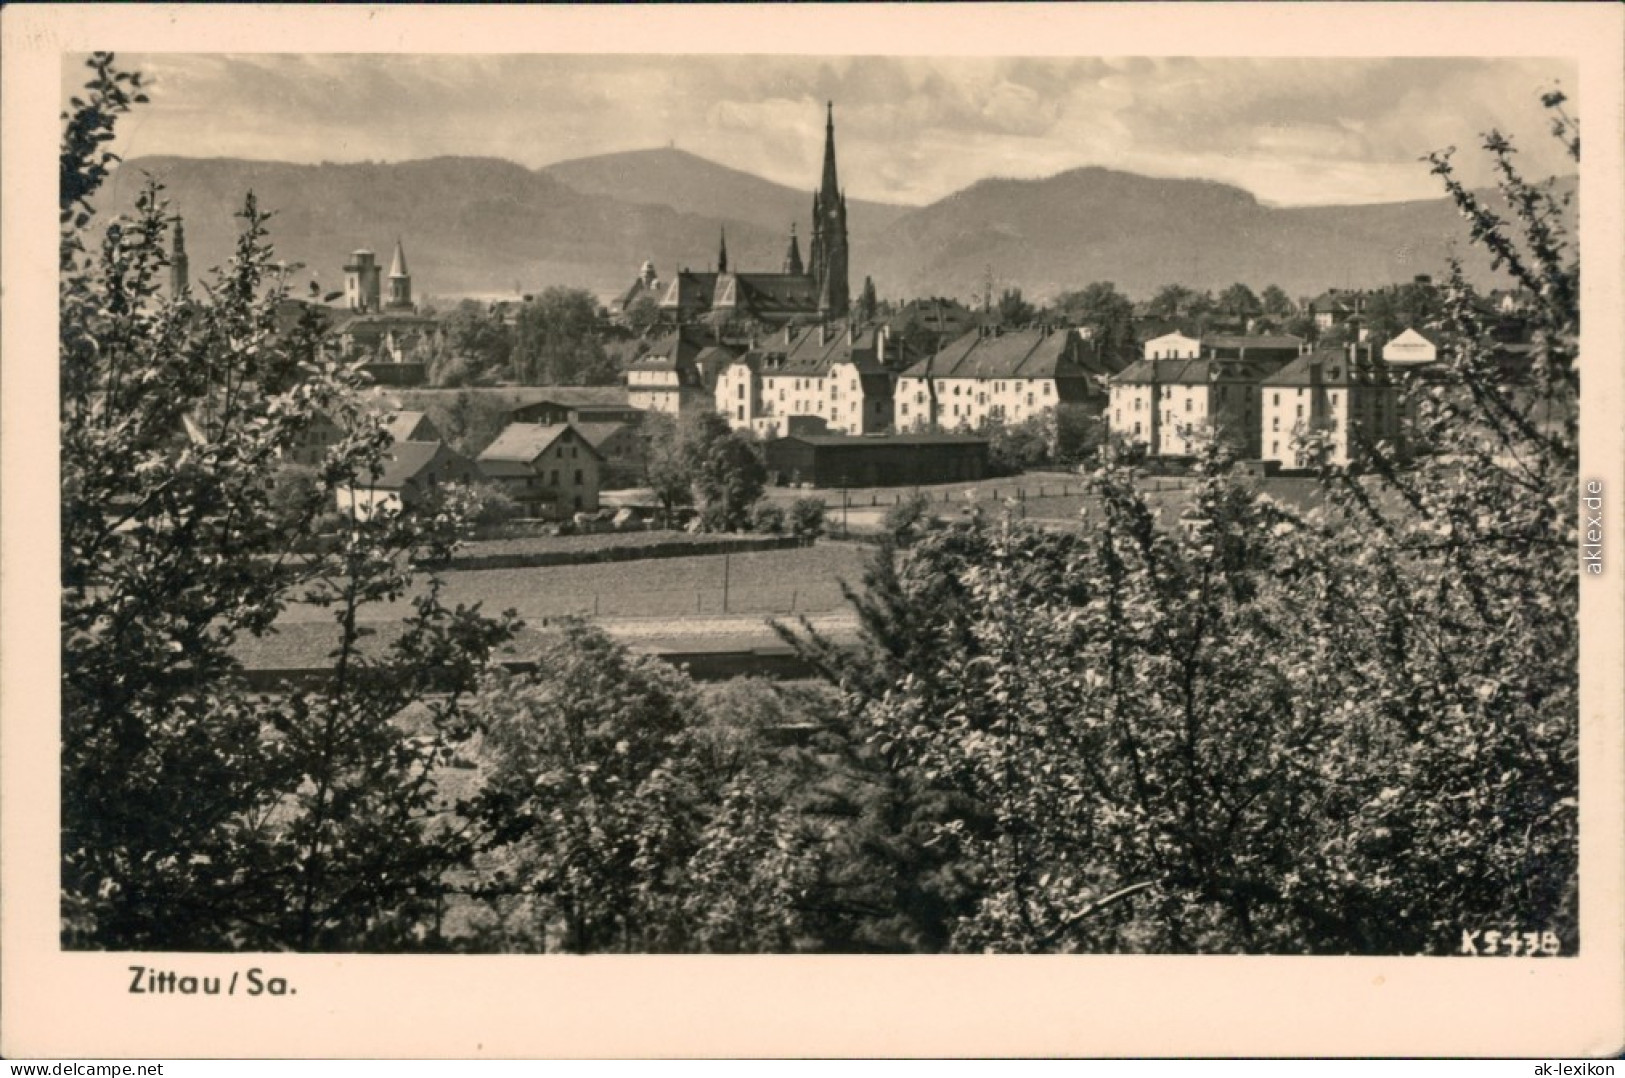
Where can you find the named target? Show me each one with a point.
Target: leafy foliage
(557, 340)
(699, 460)
(197, 814)
(619, 817)
(1352, 729)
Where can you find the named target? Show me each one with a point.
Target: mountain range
(487, 226)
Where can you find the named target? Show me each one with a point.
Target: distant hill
(1049, 235)
(687, 182)
(469, 224)
(486, 225)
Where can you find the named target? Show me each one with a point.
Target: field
(799, 580)
(709, 601)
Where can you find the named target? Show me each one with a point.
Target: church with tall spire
(829, 249)
(804, 293)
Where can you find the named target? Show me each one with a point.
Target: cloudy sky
(910, 130)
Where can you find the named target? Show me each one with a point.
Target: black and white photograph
(819, 502)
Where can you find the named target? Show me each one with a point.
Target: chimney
(787, 337)
(823, 333)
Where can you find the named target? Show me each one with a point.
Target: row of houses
(1349, 397)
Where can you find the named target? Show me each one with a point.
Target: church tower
(722, 253)
(180, 268)
(400, 281)
(829, 244)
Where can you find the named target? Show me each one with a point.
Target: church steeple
(829, 244)
(180, 270)
(830, 184)
(722, 253)
(792, 257)
(400, 280)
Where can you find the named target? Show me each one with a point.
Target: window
(919, 398)
(1275, 449)
(554, 481)
(1049, 389)
(1029, 400)
(905, 407)
(1187, 404)
(1136, 426)
(741, 413)
(1277, 398)
(578, 477)
(1275, 424)
(1300, 411)
(741, 390)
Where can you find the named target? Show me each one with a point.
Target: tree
(557, 341)
(1173, 302)
(1013, 310)
(729, 477)
(584, 812)
(868, 304)
(197, 814)
(643, 313)
(1106, 311)
(1016, 447)
(1275, 302)
(623, 814)
(1239, 301)
(478, 337)
(699, 460)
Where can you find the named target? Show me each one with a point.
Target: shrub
(807, 518)
(908, 517)
(767, 517)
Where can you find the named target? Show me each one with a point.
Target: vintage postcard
(813, 530)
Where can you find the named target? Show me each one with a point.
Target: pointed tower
(830, 256)
(180, 268)
(400, 281)
(722, 253)
(792, 257)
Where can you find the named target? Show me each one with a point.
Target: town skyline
(914, 130)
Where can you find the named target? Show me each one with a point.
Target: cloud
(910, 129)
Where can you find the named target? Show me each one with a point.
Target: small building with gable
(552, 470)
(412, 472)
